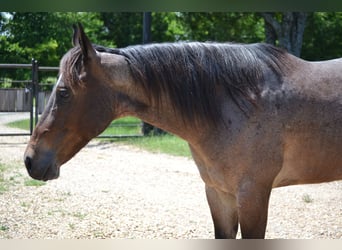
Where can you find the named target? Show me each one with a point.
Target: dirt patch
(110, 191)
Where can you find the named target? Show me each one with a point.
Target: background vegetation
(47, 36)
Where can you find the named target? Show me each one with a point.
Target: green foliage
(43, 36)
(46, 36)
(167, 27)
(122, 29)
(322, 37)
(223, 26)
(35, 35)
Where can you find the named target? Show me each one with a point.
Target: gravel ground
(111, 191)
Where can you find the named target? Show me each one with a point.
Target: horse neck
(166, 118)
(160, 115)
(129, 99)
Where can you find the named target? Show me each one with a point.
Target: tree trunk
(271, 36)
(286, 28)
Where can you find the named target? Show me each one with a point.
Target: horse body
(312, 135)
(286, 130)
(293, 138)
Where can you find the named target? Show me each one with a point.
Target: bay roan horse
(255, 117)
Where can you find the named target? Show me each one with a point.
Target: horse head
(80, 108)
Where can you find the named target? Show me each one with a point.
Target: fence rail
(26, 66)
(15, 66)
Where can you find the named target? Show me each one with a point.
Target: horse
(255, 117)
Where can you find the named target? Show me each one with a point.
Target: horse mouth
(43, 174)
(51, 173)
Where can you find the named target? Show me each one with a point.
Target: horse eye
(63, 92)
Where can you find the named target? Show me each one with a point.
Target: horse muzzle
(42, 165)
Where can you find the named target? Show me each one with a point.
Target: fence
(9, 100)
(43, 97)
(15, 100)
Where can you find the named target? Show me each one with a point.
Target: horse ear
(81, 39)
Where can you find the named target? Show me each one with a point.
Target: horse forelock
(70, 67)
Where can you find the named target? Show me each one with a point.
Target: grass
(307, 199)
(3, 188)
(21, 124)
(33, 183)
(123, 126)
(79, 215)
(15, 178)
(3, 182)
(168, 144)
(25, 204)
(4, 228)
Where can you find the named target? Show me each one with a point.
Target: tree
(36, 35)
(322, 36)
(47, 36)
(222, 26)
(125, 28)
(285, 29)
(43, 36)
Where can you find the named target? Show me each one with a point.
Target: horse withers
(255, 117)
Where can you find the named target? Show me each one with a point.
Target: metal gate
(29, 99)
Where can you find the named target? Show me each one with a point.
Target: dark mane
(195, 75)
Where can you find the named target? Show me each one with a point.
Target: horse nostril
(28, 163)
